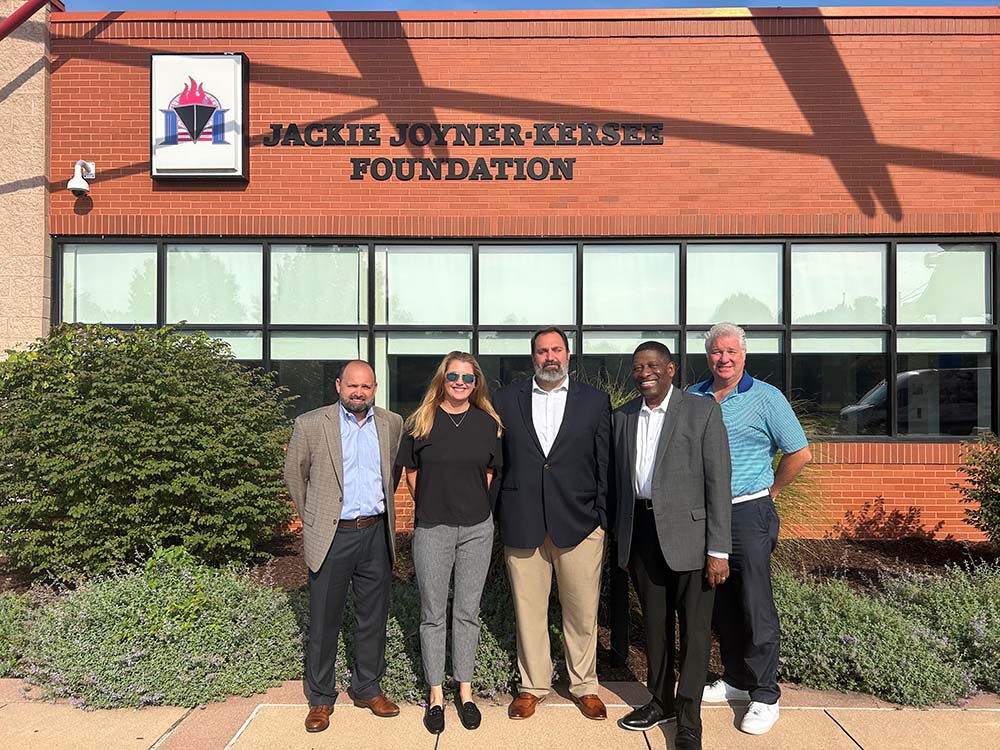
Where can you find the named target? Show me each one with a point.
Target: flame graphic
(193, 94)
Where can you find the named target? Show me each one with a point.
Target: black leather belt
(644, 503)
(361, 522)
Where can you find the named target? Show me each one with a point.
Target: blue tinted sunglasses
(469, 378)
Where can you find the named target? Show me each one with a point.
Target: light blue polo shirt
(760, 421)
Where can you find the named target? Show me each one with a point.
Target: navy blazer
(566, 493)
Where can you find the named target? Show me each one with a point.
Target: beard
(551, 376)
(356, 406)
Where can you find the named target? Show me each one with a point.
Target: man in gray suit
(339, 472)
(672, 477)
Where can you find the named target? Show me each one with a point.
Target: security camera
(82, 171)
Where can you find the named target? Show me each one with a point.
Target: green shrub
(175, 632)
(963, 608)
(14, 610)
(834, 638)
(116, 442)
(981, 488)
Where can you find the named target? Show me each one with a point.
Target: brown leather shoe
(379, 705)
(591, 706)
(318, 718)
(523, 706)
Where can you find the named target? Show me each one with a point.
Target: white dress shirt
(547, 409)
(647, 438)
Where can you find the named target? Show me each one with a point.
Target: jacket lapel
(524, 401)
(331, 430)
(673, 415)
(573, 396)
(631, 444)
(382, 428)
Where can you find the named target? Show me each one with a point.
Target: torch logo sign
(194, 116)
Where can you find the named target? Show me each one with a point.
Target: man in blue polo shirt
(760, 422)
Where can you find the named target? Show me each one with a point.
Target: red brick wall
(776, 122)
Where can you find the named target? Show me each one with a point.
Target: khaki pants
(578, 577)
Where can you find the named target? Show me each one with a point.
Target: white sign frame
(199, 116)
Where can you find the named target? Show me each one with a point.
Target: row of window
(820, 324)
(621, 284)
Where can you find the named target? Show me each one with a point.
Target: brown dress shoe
(379, 705)
(523, 706)
(318, 718)
(591, 706)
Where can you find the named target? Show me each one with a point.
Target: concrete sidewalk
(810, 720)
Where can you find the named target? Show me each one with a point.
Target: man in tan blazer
(339, 472)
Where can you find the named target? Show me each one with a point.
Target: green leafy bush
(963, 608)
(835, 638)
(981, 488)
(14, 610)
(115, 442)
(175, 632)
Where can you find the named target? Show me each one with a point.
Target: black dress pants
(668, 596)
(745, 616)
(359, 558)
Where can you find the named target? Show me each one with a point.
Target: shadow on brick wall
(874, 521)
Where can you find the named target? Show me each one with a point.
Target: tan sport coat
(314, 474)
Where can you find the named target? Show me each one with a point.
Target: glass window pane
(738, 283)
(423, 284)
(324, 284)
(630, 284)
(930, 275)
(246, 345)
(406, 362)
(943, 385)
(214, 283)
(764, 358)
(114, 283)
(607, 360)
(308, 363)
(506, 356)
(838, 283)
(835, 374)
(527, 285)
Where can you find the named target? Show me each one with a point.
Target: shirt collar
(663, 404)
(745, 384)
(347, 415)
(536, 388)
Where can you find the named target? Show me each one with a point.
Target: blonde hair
(422, 420)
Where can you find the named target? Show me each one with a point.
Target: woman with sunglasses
(450, 452)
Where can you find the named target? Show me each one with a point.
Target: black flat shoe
(687, 739)
(434, 719)
(468, 714)
(646, 717)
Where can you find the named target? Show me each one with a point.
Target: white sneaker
(721, 691)
(759, 718)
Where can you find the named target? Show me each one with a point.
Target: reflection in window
(245, 345)
(764, 359)
(740, 283)
(308, 364)
(406, 362)
(630, 284)
(838, 283)
(929, 277)
(423, 284)
(506, 357)
(214, 283)
(527, 284)
(320, 284)
(113, 283)
(943, 384)
(836, 375)
(607, 360)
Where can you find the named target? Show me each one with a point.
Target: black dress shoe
(434, 719)
(468, 714)
(687, 739)
(646, 717)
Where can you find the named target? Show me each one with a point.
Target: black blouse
(451, 466)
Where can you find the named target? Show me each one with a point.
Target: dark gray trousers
(745, 616)
(358, 558)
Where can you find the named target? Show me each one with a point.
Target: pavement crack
(842, 729)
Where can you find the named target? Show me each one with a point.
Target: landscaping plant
(981, 488)
(115, 442)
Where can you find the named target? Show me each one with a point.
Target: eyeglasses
(468, 378)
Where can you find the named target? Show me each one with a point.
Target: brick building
(421, 182)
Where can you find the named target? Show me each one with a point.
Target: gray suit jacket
(314, 474)
(691, 493)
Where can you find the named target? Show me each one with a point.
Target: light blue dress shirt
(363, 489)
